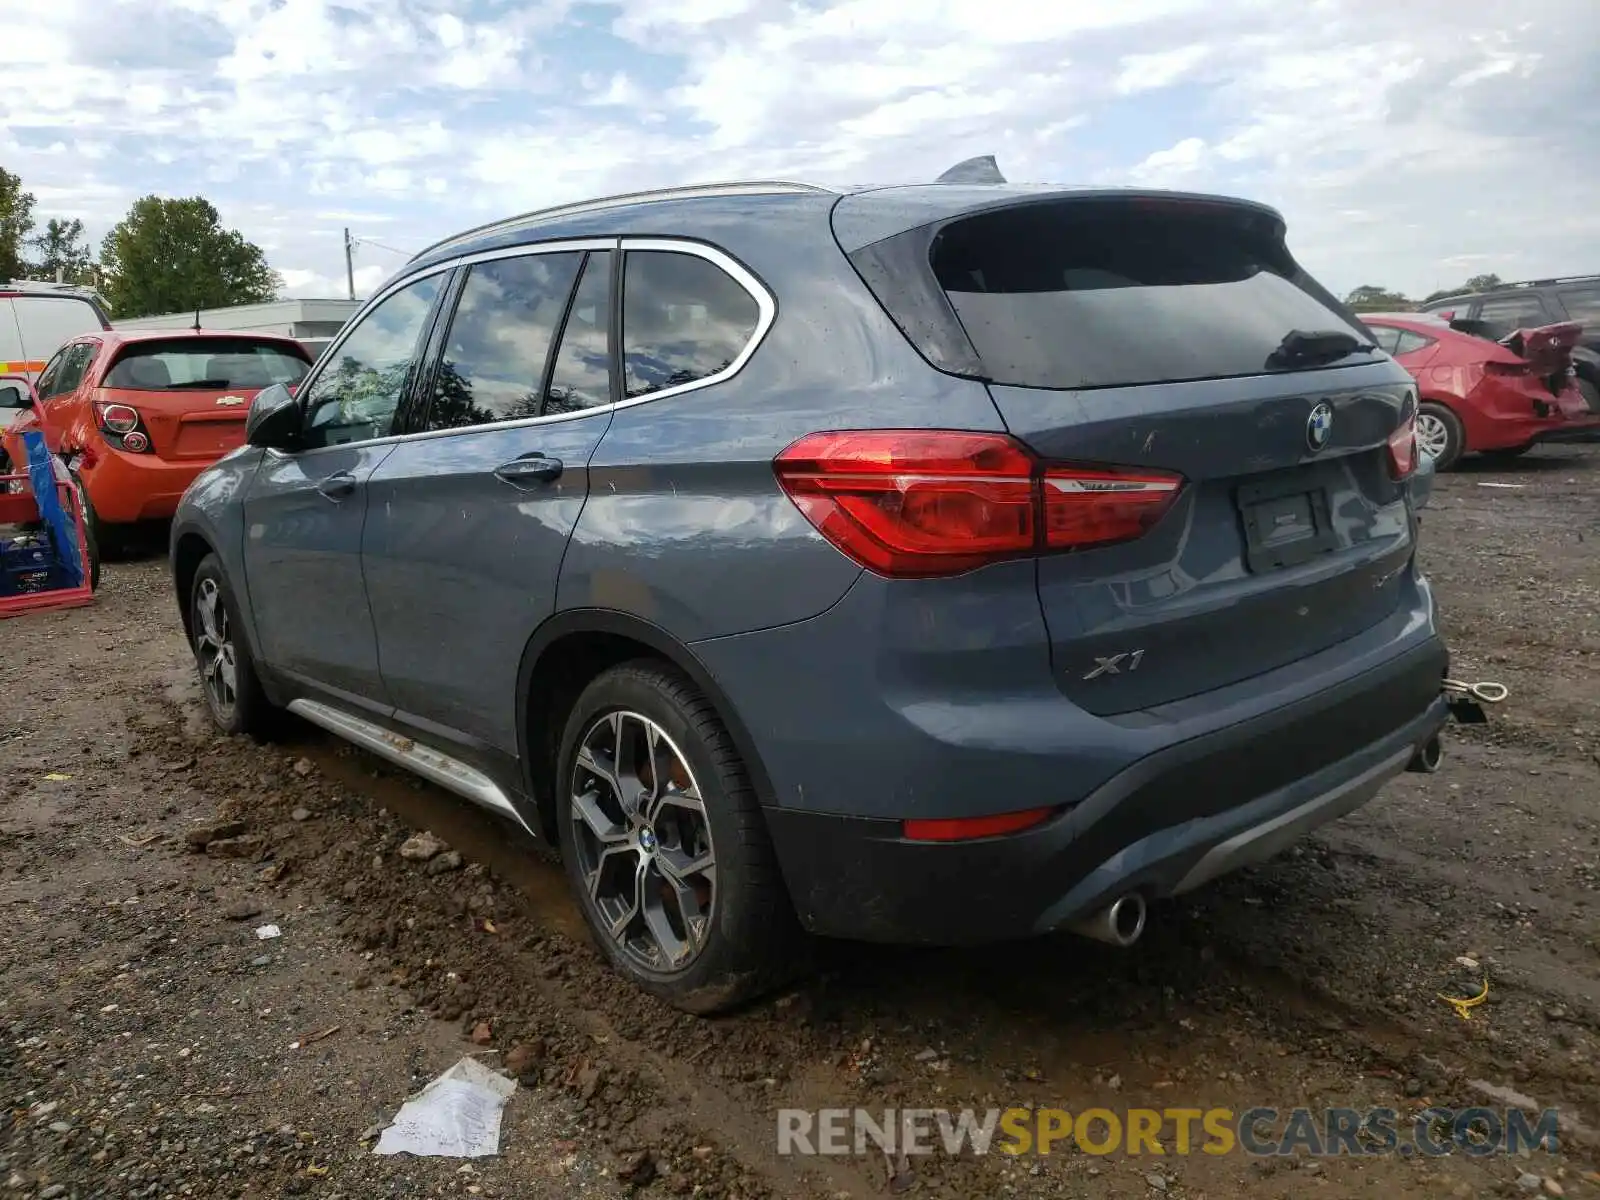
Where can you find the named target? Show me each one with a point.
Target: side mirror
(15, 396)
(274, 419)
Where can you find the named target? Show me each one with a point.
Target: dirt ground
(152, 1045)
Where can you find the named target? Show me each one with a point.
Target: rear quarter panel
(686, 525)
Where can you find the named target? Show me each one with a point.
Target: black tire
(250, 711)
(1455, 438)
(1590, 391)
(751, 941)
(91, 532)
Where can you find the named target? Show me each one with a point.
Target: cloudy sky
(1410, 144)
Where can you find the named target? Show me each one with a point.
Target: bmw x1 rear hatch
(1137, 341)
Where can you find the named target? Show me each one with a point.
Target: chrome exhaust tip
(1427, 758)
(1120, 923)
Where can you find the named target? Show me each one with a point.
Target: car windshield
(210, 364)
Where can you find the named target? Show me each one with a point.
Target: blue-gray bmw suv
(939, 563)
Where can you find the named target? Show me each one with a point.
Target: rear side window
(68, 372)
(1083, 295)
(209, 364)
(1503, 315)
(581, 377)
(500, 339)
(1410, 342)
(684, 319)
(1387, 337)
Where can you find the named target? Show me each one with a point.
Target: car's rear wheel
(665, 845)
(91, 532)
(1439, 435)
(228, 678)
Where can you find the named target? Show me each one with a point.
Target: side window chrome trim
(766, 310)
(766, 314)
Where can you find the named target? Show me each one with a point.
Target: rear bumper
(1166, 824)
(125, 488)
(1580, 431)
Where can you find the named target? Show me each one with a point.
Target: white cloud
(1403, 142)
(1147, 72)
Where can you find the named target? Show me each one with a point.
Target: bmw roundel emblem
(1319, 426)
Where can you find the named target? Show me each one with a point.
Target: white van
(36, 318)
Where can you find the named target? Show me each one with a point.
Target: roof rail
(622, 199)
(46, 287)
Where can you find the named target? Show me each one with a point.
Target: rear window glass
(1087, 295)
(214, 364)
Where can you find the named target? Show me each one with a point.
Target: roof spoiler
(982, 169)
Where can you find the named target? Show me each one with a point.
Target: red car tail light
(1403, 449)
(1091, 506)
(116, 418)
(910, 503)
(922, 503)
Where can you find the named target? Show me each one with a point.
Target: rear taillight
(123, 427)
(1086, 506)
(1403, 449)
(919, 503)
(117, 418)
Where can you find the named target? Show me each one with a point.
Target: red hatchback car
(1482, 396)
(138, 414)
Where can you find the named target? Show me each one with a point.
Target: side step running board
(405, 752)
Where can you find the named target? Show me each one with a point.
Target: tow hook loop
(1466, 700)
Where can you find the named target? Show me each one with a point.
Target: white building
(311, 322)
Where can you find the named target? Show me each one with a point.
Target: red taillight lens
(920, 503)
(1403, 449)
(909, 503)
(959, 829)
(135, 441)
(1090, 506)
(117, 418)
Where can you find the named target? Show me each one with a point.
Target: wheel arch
(564, 655)
(189, 550)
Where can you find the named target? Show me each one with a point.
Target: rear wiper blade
(1301, 346)
(209, 385)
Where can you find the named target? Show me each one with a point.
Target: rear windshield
(1082, 295)
(214, 364)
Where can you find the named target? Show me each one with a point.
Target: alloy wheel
(643, 841)
(213, 647)
(1432, 436)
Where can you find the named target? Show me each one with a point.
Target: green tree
(1482, 283)
(1368, 298)
(60, 249)
(16, 222)
(175, 256)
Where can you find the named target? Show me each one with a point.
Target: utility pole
(349, 263)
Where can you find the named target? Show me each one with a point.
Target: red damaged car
(1481, 396)
(137, 414)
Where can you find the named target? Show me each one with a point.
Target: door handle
(337, 487)
(529, 470)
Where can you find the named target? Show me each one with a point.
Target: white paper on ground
(455, 1116)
